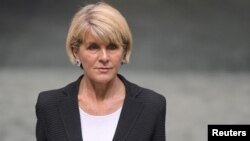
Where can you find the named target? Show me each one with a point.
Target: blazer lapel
(130, 112)
(70, 112)
(71, 117)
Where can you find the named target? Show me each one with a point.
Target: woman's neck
(100, 91)
(101, 99)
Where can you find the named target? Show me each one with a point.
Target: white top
(99, 128)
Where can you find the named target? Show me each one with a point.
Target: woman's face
(101, 61)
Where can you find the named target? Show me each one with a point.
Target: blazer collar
(131, 110)
(69, 110)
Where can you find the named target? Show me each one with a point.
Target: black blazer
(142, 117)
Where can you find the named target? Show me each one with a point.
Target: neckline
(118, 111)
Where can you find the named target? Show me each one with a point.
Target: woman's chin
(103, 78)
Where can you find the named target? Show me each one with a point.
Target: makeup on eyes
(94, 47)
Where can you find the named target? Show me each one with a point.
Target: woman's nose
(104, 58)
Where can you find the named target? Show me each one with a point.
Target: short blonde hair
(104, 22)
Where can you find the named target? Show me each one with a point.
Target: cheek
(117, 59)
(87, 59)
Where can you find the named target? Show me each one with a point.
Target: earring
(78, 62)
(123, 61)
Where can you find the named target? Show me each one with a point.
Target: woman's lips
(103, 69)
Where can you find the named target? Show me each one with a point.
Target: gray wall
(168, 34)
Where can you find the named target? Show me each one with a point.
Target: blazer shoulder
(150, 97)
(50, 94)
(50, 97)
(143, 95)
(55, 95)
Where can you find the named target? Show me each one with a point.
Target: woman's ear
(124, 58)
(75, 52)
(124, 55)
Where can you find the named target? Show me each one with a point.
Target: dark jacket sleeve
(159, 131)
(40, 130)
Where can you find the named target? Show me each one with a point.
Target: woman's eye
(112, 46)
(93, 47)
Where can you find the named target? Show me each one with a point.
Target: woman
(101, 105)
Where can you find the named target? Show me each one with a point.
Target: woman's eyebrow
(90, 43)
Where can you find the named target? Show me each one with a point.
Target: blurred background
(194, 52)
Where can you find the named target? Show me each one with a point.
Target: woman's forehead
(90, 39)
